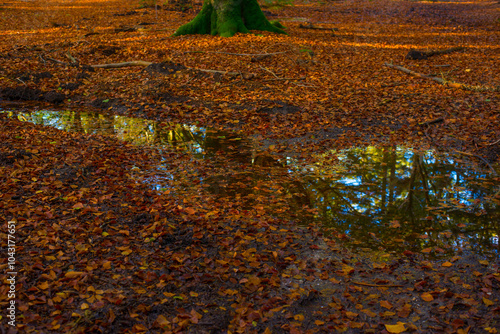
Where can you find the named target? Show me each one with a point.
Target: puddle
(391, 199)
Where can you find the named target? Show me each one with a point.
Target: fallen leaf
(399, 327)
(427, 297)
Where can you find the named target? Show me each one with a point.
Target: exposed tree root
(445, 82)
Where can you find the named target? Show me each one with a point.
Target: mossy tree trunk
(227, 17)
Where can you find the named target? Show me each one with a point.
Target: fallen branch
(379, 285)
(434, 121)
(445, 82)
(147, 63)
(311, 26)
(58, 61)
(418, 55)
(496, 142)
(124, 64)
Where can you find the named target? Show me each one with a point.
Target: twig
(284, 79)
(70, 57)
(297, 84)
(270, 72)
(379, 285)
(239, 54)
(58, 61)
(124, 64)
(444, 82)
(479, 157)
(496, 142)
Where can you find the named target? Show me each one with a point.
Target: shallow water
(392, 199)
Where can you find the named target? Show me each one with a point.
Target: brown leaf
(386, 304)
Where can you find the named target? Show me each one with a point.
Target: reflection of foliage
(397, 198)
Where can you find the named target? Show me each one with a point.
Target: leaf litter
(100, 251)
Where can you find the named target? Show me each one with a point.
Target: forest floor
(98, 251)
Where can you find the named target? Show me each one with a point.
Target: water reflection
(400, 199)
(392, 198)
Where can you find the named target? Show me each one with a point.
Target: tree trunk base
(227, 17)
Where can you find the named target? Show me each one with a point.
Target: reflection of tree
(429, 197)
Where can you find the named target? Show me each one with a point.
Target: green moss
(277, 24)
(228, 18)
(200, 24)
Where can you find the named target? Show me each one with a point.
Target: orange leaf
(44, 285)
(386, 304)
(447, 264)
(73, 274)
(397, 328)
(427, 297)
(111, 316)
(190, 211)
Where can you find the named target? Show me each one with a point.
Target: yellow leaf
(81, 247)
(397, 328)
(84, 306)
(193, 294)
(319, 322)
(484, 262)
(427, 297)
(347, 269)
(488, 302)
(106, 265)
(299, 317)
